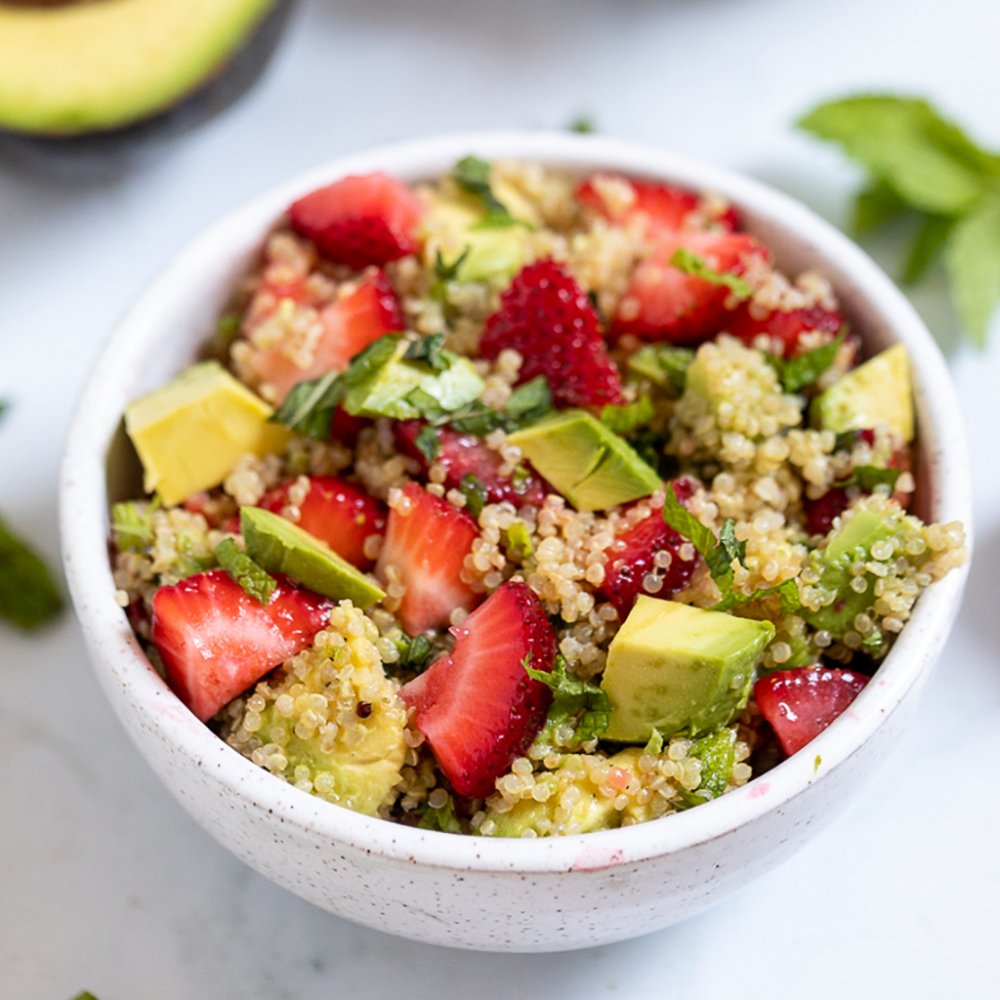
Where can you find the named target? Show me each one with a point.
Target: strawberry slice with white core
(348, 325)
(426, 542)
(360, 220)
(799, 704)
(336, 512)
(216, 641)
(477, 707)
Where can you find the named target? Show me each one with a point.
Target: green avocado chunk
(279, 546)
(590, 465)
(404, 389)
(877, 393)
(190, 432)
(676, 668)
(69, 68)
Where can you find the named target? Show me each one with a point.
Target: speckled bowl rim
(83, 519)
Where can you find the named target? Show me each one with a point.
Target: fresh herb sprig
(802, 370)
(579, 703)
(922, 165)
(690, 263)
(254, 580)
(472, 175)
(29, 594)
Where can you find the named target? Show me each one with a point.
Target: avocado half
(68, 68)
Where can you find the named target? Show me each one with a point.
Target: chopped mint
(678, 517)
(416, 653)
(475, 493)
(254, 580)
(526, 405)
(85, 995)
(698, 267)
(578, 702)
(655, 745)
(804, 369)
(29, 595)
(472, 175)
(517, 542)
(870, 476)
(444, 272)
(583, 125)
(430, 351)
(427, 442)
(629, 417)
(425, 405)
(923, 165)
(132, 524)
(442, 818)
(717, 756)
(664, 365)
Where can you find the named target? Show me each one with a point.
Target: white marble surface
(104, 881)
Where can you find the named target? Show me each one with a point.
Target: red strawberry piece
(360, 220)
(546, 316)
(785, 327)
(799, 704)
(663, 302)
(477, 707)
(216, 641)
(463, 454)
(346, 427)
(633, 555)
(349, 324)
(658, 207)
(426, 542)
(336, 512)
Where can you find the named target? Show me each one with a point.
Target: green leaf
(678, 517)
(628, 417)
(930, 240)
(472, 175)
(427, 442)
(443, 272)
(475, 493)
(717, 755)
(582, 125)
(4, 407)
(429, 351)
(787, 590)
(972, 258)
(132, 524)
(308, 408)
(929, 162)
(664, 365)
(802, 370)
(442, 818)
(528, 403)
(730, 545)
(517, 542)
(416, 653)
(29, 595)
(258, 583)
(572, 696)
(870, 476)
(654, 747)
(370, 359)
(875, 205)
(85, 995)
(426, 405)
(698, 267)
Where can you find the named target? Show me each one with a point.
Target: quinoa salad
(524, 503)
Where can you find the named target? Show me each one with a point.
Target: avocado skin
(112, 151)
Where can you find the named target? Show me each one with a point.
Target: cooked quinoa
(734, 438)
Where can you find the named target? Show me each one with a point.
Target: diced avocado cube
(590, 465)
(876, 393)
(280, 546)
(190, 432)
(389, 390)
(454, 223)
(676, 668)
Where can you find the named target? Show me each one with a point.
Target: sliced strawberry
(477, 707)
(546, 316)
(463, 454)
(426, 543)
(786, 327)
(799, 704)
(360, 220)
(663, 302)
(349, 325)
(633, 554)
(337, 512)
(216, 641)
(658, 207)
(346, 427)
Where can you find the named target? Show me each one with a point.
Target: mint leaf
(664, 365)
(528, 403)
(572, 696)
(426, 405)
(870, 476)
(717, 755)
(876, 205)
(427, 442)
(802, 370)
(258, 583)
(308, 408)
(472, 175)
(429, 351)
(678, 517)
(444, 272)
(654, 746)
(443, 818)
(787, 590)
(927, 244)
(698, 267)
(475, 493)
(629, 417)
(416, 653)
(928, 161)
(973, 262)
(132, 524)
(583, 125)
(29, 595)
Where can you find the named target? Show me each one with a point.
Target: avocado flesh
(280, 546)
(590, 465)
(91, 66)
(676, 668)
(190, 432)
(876, 393)
(454, 224)
(384, 392)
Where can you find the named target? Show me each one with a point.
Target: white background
(106, 883)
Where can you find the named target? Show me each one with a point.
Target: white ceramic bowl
(473, 892)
